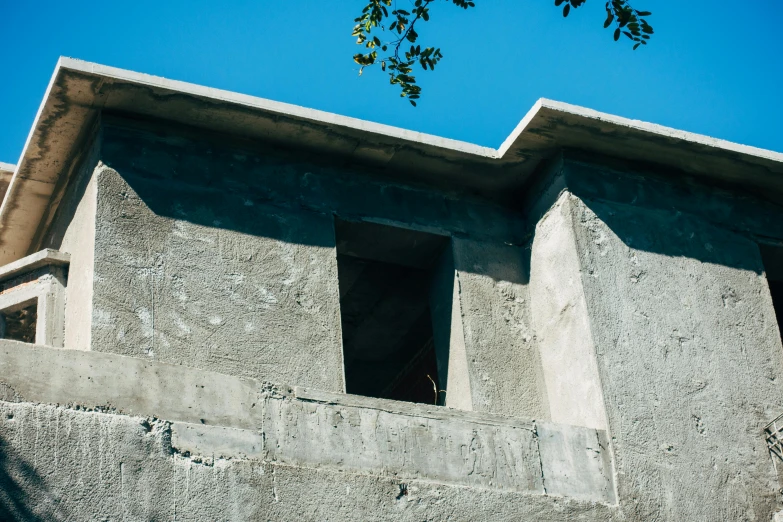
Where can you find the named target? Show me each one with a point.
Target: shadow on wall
(24, 496)
(277, 193)
(672, 234)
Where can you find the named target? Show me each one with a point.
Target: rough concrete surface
(562, 325)
(61, 464)
(127, 384)
(216, 283)
(209, 424)
(72, 230)
(690, 361)
(223, 258)
(503, 364)
(613, 331)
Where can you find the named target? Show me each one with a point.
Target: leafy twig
(403, 24)
(627, 20)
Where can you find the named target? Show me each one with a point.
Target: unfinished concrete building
(217, 307)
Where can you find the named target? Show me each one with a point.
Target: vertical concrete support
(562, 325)
(449, 337)
(50, 326)
(79, 242)
(689, 358)
(72, 231)
(503, 364)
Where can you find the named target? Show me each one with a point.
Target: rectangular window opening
(385, 277)
(18, 323)
(772, 257)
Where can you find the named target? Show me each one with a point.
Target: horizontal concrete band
(220, 416)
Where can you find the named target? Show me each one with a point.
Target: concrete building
(218, 307)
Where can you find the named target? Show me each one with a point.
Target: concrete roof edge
(80, 91)
(287, 109)
(652, 128)
(7, 167)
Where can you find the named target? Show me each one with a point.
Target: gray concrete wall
(222, 257)
(88, 466)
(201, 444)
(194, 276)
(688, 355)
(300, 181)
(561, 323)
(502, 355)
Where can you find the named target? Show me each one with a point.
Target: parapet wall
(114, 405)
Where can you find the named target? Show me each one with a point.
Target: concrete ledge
(576, 462)
(26, 264)
(451, 450)
(216, 441)
(215, 416)
(128, 385)
(62, 464)
(407, 408)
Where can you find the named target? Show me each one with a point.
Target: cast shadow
(24, 495)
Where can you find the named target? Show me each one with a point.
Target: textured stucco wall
(503, 363)
(687, 348)
(690, 360)
(195, 276)
(561, 324)
(222, 257)
(61, 464)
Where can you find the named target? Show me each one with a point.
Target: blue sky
(713, 67)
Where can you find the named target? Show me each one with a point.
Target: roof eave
(79, 90)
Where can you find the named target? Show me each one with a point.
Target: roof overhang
(79, 91)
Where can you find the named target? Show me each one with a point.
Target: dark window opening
(772, 257)
(18, 323)
(385, 274)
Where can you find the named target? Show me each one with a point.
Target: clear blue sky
(713, 67)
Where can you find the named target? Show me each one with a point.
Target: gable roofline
(79, 91)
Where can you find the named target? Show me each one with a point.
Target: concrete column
(561, 322)
(669, 317)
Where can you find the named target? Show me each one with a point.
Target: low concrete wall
(212, 416)
(61, 464)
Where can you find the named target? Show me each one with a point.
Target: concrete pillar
(561, 322)
(664, 320)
